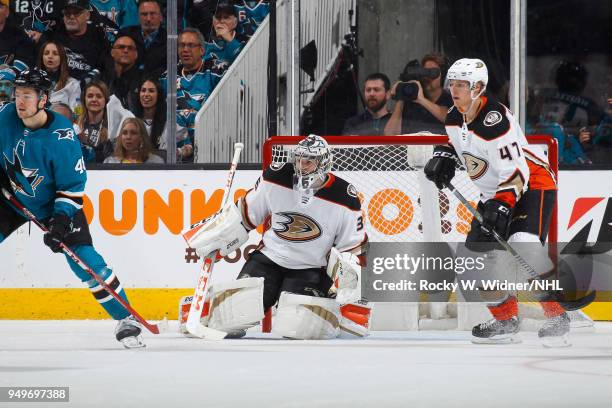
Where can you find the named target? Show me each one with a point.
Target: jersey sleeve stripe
(360, 248)
(244, 209)
(70, 193)
(76, 203)
(513, 185)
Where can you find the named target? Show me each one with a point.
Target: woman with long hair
(151, 108)
(92, 126)
(133, 144)
(52, 58)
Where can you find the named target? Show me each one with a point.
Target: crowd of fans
(107, 60)
(583, 129)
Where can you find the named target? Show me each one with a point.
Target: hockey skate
(497, 332)
(554, 332)
(128, 333)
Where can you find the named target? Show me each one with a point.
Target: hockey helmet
(34, 78)
(472, 70)
(312, 148)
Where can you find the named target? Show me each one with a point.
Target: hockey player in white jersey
(517, 191)
(312, 245)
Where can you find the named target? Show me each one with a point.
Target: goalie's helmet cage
(315, 149)
(472, 70)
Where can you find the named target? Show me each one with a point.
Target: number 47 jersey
(497, 155)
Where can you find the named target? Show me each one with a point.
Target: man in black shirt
(150, 38)
(86, 45)
(14, 43)
(376, 94)
(427, 112)
(122, 74)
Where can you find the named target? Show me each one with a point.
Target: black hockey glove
(5, 182)
(496, 216)
(441, 167)
(59, 226)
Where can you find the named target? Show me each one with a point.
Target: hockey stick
(152, 327)
(193, 324)
(567, 305)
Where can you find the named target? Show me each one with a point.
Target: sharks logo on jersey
(23, 180)
(297, 227)
(36, 15)
(64, 134)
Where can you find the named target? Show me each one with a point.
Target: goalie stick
(193, 324)
(154, 328)
(567, 305)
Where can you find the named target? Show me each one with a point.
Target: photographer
(373, 120)
(422, 103)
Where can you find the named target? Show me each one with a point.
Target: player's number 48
(80, 166)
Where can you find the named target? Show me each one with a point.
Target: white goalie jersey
(496, 153)
(299, 236)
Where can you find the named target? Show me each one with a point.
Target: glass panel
(394, 36)
(569, 77)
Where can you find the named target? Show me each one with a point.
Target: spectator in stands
(570, 149)
(578, 114)
(62, 109)
(201, 15)
(150, 38)
(376, 94)
(225, 44)
(52, 58)
(251, 13)
(151, 109)
(92, 126)
(426, 111)
(196, 81)
(122, 13)
(14, 43)
(37, 16)
(133, 144)
(85, 44)
(7, 79)
(122, 75)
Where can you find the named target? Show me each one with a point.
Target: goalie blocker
(308, 213)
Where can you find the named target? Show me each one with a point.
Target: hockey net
(400, 205)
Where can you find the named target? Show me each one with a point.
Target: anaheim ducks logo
(475, 166)
(297, 227)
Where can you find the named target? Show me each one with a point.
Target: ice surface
(388, 369)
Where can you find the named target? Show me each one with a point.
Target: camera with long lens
(413, 71)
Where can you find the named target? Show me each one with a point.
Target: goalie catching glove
(223, 231)
(441, 167)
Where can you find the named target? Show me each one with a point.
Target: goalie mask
(312, 160)
(470, 70)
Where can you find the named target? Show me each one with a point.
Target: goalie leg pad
(306, 318)
(236, 305)
(355, 319)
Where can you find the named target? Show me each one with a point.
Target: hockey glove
(496, 216)
(5, 182)
(441, 167)
(59, 226)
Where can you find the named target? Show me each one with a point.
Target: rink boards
(136, 218)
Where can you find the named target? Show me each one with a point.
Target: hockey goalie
(308, 261)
